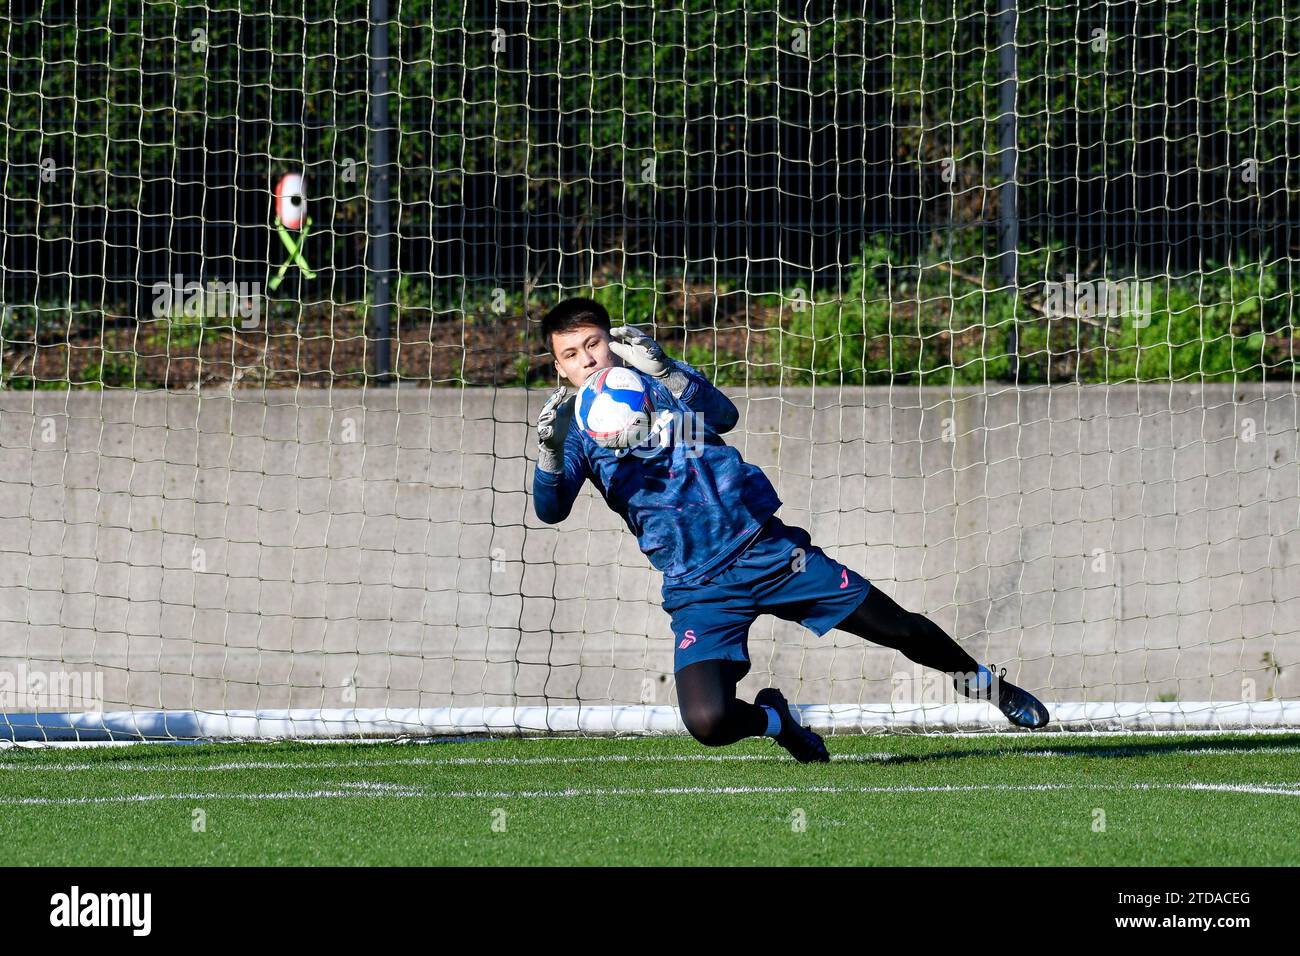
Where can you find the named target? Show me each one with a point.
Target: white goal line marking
(1138, 750)
(449, 762)
(145, 767)
(373, 789)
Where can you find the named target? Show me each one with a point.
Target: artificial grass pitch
(1042, 799)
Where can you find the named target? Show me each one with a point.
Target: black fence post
(379, 196)
(1009, 227)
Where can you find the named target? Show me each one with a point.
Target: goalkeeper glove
(552, 430)
(645, 355)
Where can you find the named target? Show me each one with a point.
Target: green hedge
(114, 94)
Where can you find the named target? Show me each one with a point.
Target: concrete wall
(337, 548)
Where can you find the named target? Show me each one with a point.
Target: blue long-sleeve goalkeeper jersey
(689, 498)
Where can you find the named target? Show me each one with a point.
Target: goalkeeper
(707, 520)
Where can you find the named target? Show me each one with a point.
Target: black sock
(879, 620)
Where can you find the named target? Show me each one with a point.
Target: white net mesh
(237, 498)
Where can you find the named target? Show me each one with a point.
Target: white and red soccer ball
(614, 408)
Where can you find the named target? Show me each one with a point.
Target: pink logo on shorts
(687, 641)
(844, 578)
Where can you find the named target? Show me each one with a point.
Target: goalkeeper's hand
(552, 430)
(645, 355)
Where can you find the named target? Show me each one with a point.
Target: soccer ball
(613, 408)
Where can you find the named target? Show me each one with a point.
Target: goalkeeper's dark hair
(572, 314)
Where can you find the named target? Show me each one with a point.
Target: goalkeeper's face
(582, 352)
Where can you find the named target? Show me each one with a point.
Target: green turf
(601, 801)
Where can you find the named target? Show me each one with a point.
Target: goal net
(1002, 291)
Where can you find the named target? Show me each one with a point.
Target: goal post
(1012, 335)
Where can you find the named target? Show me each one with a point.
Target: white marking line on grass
(449, 762)
(388, 789)
(1247, 788)
(145, 767)
(1287, 789)
(372, 790)
(151, 797)
(140, 767)
(1139, 750)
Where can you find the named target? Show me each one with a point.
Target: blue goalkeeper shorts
(782, 573)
